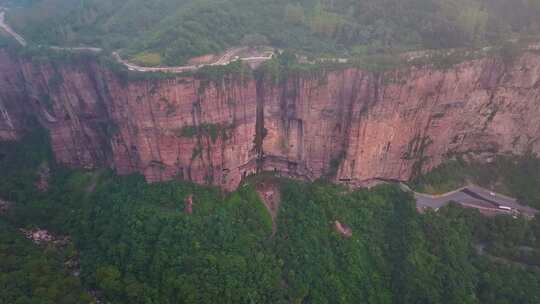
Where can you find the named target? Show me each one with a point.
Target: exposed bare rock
(343, 229)
(350, 125)
(38, 236)
(45, 237)
(188, 208)
(271, 197)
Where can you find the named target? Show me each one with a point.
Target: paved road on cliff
(472, 197)
(8, 29)
(226, 58)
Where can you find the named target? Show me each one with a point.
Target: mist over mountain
(249, 151)
(173, 31)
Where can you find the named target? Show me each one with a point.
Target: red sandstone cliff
(349, 124)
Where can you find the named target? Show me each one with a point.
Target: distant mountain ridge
(171, 31)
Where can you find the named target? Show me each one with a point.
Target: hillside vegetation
(136, 244)
(171, 31)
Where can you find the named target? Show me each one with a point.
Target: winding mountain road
(76, 49)
(226, 58)
(469, 196)
(4, 26)
(472, 197)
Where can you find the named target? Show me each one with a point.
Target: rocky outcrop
(348, 125)
(343, 229)
(188, 204)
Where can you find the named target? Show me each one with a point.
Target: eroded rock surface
(350, 125)
(188, 204)
(343, 229)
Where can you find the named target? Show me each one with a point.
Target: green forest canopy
(170, 31)
(137, 245)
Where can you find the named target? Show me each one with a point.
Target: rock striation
(347, 125)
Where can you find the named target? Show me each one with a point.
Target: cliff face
(350, 125)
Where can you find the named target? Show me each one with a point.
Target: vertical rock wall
(349, 125)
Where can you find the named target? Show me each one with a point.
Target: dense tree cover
(29, 274)
(170, 31)
(391, 257)
(137, 245)
(18, 163)
(508, 254)
(518, 176)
